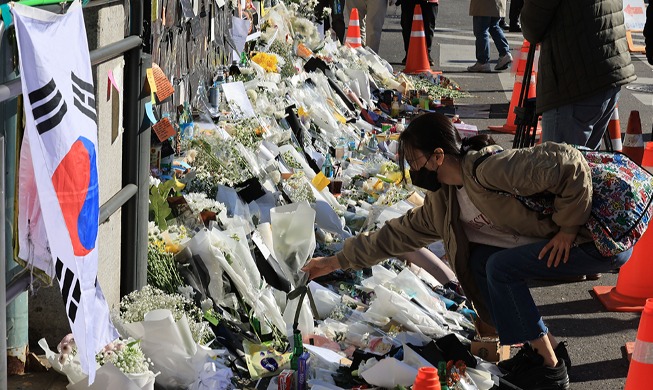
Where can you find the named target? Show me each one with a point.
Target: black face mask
(426, 179)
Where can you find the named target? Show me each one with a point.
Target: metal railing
(132, 198)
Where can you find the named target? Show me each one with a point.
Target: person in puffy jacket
(494, 243)
(584, 61)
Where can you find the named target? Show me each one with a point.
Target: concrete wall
(47, 318)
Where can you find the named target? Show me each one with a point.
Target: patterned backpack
(622, 193)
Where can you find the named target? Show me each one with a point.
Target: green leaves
(159, 208)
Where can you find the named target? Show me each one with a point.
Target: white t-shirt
(481, 230)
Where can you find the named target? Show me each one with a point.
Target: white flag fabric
(59, 162)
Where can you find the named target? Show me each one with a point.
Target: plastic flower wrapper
(67, 361)
(214, 249)
(174, 238)
(293, 239)
(170, 345)
(411, 286)
(293, 245)
(120, 364)
(316, 108)
(213, 374)
(237, 211)
(387, 373)
(393, 305)
(108, 377)
(233, 243)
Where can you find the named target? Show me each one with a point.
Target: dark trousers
(337, 20)
(515, 11)
(429, 14)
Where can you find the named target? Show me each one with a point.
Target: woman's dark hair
(432, 130)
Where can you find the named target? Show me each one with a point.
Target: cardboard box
(490, 350)
(286, 380)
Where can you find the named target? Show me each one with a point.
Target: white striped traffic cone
(614, 129)
(353, 38)
(633, 142)
(417, 59)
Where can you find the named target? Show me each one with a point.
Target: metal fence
(132, 198)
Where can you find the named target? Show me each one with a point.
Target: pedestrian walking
(485, 17)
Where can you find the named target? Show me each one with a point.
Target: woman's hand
(560, 245)
(320, 266)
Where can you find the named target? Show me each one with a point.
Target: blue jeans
(502, 273)
(484, 26)
(582, 122)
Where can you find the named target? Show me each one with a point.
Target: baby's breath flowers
(298, 188)
(126, 355)
(135, 305)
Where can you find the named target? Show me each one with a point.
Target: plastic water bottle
(327, 166)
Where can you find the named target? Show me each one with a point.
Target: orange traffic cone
(641, 364)
(510, 126)
(633, 142)
(634, 282)
(417, 59)
(427, 379)
(614, 129)
(353, 38)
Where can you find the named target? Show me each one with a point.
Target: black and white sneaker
(530, 373)
(560, 351)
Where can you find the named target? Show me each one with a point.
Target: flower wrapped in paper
(120, 364)
(171, 346)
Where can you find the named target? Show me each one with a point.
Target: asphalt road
(596, 337)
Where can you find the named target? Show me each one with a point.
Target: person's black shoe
(403, 62)
(532, 374)
(502, 24)
(509, 365)
(562, 354)
(514, 27)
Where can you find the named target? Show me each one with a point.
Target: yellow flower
(266, 61)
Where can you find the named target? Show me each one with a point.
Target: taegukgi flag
(58, 177)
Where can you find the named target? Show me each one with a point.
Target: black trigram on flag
(70, 289)
(48, 107)
(84, 96)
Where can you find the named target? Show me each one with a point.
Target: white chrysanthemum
(154, 181)
(199, 202)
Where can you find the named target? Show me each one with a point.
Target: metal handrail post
(3, 271)
(135, 170)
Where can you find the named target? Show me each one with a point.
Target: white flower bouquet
(117, 360)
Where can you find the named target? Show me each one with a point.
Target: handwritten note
(164, 129)
(164, 88)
